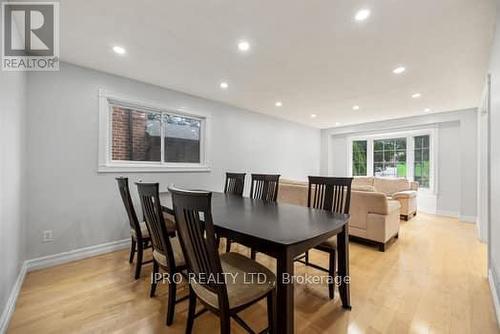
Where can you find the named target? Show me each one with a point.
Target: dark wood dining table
(282, 231)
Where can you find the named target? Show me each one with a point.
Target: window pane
(422, 160)
(401, 156)
(359, 149)
(389, 157)
(182, 139)
(401, 144)
(389, 145)
(135, 135)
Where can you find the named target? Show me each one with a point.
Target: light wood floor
(431, 280)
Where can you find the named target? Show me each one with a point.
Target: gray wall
(81, 206)
(12, 178)
(457, 156)
(495, 157)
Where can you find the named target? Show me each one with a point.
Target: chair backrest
(235, 182)
(129, 205)
(329, 193)
(265, 187)
(151, 208)
(195, 228)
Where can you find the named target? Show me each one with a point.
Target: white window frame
(105, 162)
(433, 138)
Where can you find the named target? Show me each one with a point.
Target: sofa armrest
(404, 194)
(414, 185)
(369, 202)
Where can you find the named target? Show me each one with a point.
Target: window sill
(152, 169)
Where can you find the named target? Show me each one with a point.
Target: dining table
(284, 232)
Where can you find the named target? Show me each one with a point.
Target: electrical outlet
(47, 236)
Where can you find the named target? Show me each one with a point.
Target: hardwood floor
(431, 280)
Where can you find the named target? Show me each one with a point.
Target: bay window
(405, 155)
(359, 152)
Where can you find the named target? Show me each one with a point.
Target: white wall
(457, 167)
(494, 234)
(81, 206)
(12, 178)
(448, 201)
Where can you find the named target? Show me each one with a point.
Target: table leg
(284, 300)
(343, 266)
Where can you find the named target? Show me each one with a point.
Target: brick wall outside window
(131, 139)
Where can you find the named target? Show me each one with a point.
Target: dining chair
(232, 288)
(264, 187)
(332, 194)
(139, 232)
(167, 252)
(235, 183)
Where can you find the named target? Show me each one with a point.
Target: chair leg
(172, 289)
(253, 254)
(228, 245)
(225, 323)
(307, 258)
(191, 311)
(331, 272)
(271, 312)
(156, 269)
(132, 251)
(138, 264)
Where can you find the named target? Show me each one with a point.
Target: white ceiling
(310, 54)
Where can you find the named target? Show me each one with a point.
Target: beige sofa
(401, 190)
(374, 217)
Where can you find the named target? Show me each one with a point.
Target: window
(406, 154)
(138, 137)
(389, 157)
(182, 139)
(135, 135)
(359, 152)
(421, 160)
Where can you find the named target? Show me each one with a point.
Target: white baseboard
(76, 254)
(455, 214)
(446, 213)
(53, 260)
(11, 302)
(468, 219)
(494, 295)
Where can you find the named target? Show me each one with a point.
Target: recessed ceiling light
(243, 46)
(362, 14)
(355, 108)
(338, 124)
(427, 109)
(416, 95)
(278, 104)
(224, 85)
(399, 70)
(119, 50)
(314, 115)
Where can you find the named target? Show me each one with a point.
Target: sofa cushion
(363, 188)
(362, 181)
(293, 192)
(390, 186)
(404, 194)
